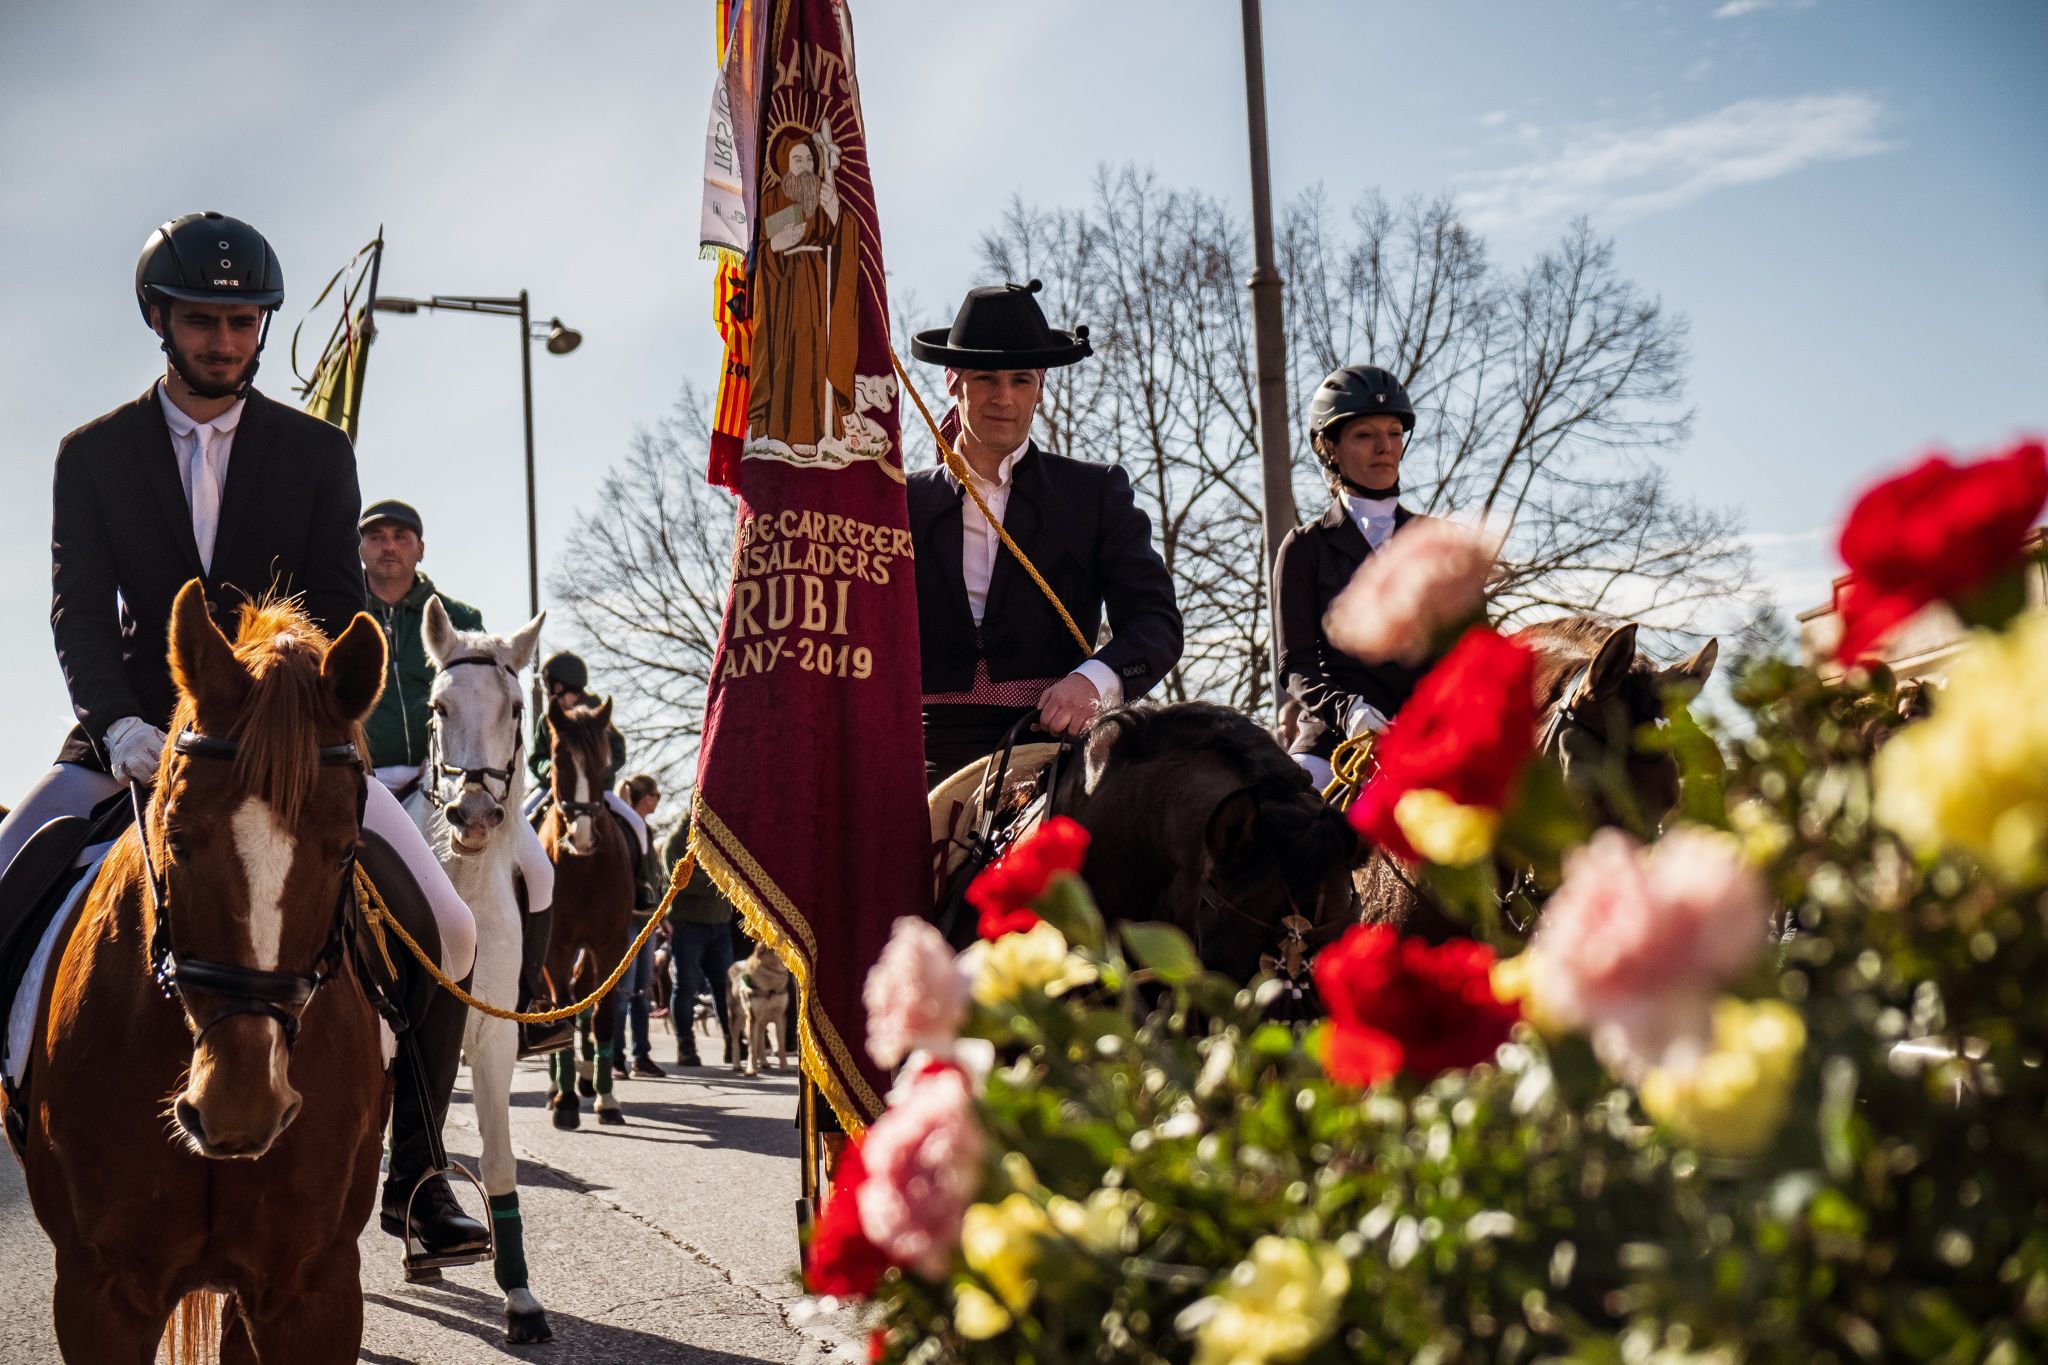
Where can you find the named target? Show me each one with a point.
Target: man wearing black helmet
(203, 477)
(993, 647)
(1358, 422)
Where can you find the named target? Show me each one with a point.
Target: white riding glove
(134, 747)
(1364, 720)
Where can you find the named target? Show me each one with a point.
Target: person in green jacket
(392, 545)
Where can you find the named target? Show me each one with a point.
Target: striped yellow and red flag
(730, 168)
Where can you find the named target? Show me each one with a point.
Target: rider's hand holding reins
(134, 747)
(1068, 706)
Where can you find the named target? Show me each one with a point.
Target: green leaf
(1068, 907)
(1165, 950)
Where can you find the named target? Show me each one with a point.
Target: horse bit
(281, 996)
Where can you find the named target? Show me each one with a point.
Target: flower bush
(1766, 1085)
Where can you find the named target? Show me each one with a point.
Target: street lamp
(560, 340)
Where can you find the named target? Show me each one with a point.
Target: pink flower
(916, 994)
(1423, 585)
(1636, 944)
(923, 1159)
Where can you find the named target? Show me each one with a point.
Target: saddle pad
(21, 1014)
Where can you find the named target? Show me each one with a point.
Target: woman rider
(1358, 423)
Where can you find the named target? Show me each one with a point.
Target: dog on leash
(757, 995)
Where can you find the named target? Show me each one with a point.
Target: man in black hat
(203, 477)
(994, 648)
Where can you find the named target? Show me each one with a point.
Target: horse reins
(281, 996)
(480, 778)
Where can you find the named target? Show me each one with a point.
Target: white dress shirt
(979, 546)
(1375, 517)
(202, 449)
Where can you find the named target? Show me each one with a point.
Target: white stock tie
(204, 491)
(1377, 529)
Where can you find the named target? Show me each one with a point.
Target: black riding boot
(537, 1040)
(425, 1074)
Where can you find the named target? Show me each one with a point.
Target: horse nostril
(189, 1120)
(289, 1115)
(494, 817)
(455, 817)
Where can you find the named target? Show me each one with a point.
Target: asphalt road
(671, 1239)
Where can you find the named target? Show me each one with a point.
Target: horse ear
(1610, 665)
(1688, 678)
(1233, 826)
(353, 671)
(203, 663)
(437, 633)
(518, 650)
(604, 712)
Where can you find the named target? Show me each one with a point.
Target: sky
(1845, 198)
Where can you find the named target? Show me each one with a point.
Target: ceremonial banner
(334, 393)
(732, 159)
(809, 810)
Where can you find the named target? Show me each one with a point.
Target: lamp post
(560, 340)
(1270, 341)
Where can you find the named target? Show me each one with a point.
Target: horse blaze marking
(266, 851)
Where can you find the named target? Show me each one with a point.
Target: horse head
(1600, 703)
(1198, 818)
(476, 727)
(580, 753)
(252, 835)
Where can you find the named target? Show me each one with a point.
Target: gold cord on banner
(966, 476)
(1350, 764)
(377, 915)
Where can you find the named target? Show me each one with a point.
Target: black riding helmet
(209, 258)
(567, 669)
(1358, 391)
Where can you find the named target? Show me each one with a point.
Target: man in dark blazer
(993, 647)
(203, 477)
(1358, 420)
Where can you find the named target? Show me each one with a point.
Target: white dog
(757, 995)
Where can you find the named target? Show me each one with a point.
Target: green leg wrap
(604, 1068)
(505, 1226)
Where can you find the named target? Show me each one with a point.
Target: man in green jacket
(392, 545)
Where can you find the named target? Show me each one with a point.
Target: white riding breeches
(1318, 769)
(384, 817)
(67, 789)
(630, 816)
(534, 867)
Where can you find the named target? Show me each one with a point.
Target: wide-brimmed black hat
(1000, 327)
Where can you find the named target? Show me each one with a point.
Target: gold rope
(1350, 764)
(377, 915)
(966, 476)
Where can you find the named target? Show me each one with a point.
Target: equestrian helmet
(1357, 391)
(567, 669)
(208, 258)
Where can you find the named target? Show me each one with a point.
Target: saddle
(33, 889)
(976, 815)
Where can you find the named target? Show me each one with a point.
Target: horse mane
(1198, 729)
(287, 707)
(1566, 644)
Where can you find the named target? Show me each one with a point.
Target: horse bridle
(282, 996)
(1293, 934)
(480, 778)
(573, 810)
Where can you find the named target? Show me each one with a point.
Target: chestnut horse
(206, 1094)
(594, 859)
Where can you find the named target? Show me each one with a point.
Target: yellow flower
(1974, 775)
(1017, 965)
(1444, 831)
(1764, 836)
(1733, 1102)
(1277, 1305)
(1101, 1224)
(1001, 1243)
(1514, 978)
(976, 1316)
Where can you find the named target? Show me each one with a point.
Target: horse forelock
(579, 736)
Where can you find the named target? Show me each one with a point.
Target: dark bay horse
(1598, 705)
(222, 1142)
(594, 857)
(1199, 819)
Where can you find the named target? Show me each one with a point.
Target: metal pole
(1267, 323)
(526, 396)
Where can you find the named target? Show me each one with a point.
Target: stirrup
(419, 1263)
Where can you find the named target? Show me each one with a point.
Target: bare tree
(644, 583)
(1543, 396)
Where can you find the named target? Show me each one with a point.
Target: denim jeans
(633, 998)
(701, 955)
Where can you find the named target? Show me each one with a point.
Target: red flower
(1400, 1004)
(1003, 893)
(842, 1261)
(1939, 531)
(1466, 732)
(878, 1346)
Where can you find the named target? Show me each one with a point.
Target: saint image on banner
(806, 305)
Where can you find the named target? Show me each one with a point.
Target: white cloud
(1620, 173)
(1494, 119)
(1736, 8)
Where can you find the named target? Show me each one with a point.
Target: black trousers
(955, 736)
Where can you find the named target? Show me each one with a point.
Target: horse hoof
(527, 1329)
(568, 1114)
(612, 1118)
(586, 1087)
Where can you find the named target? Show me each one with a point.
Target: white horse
(468, 805)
